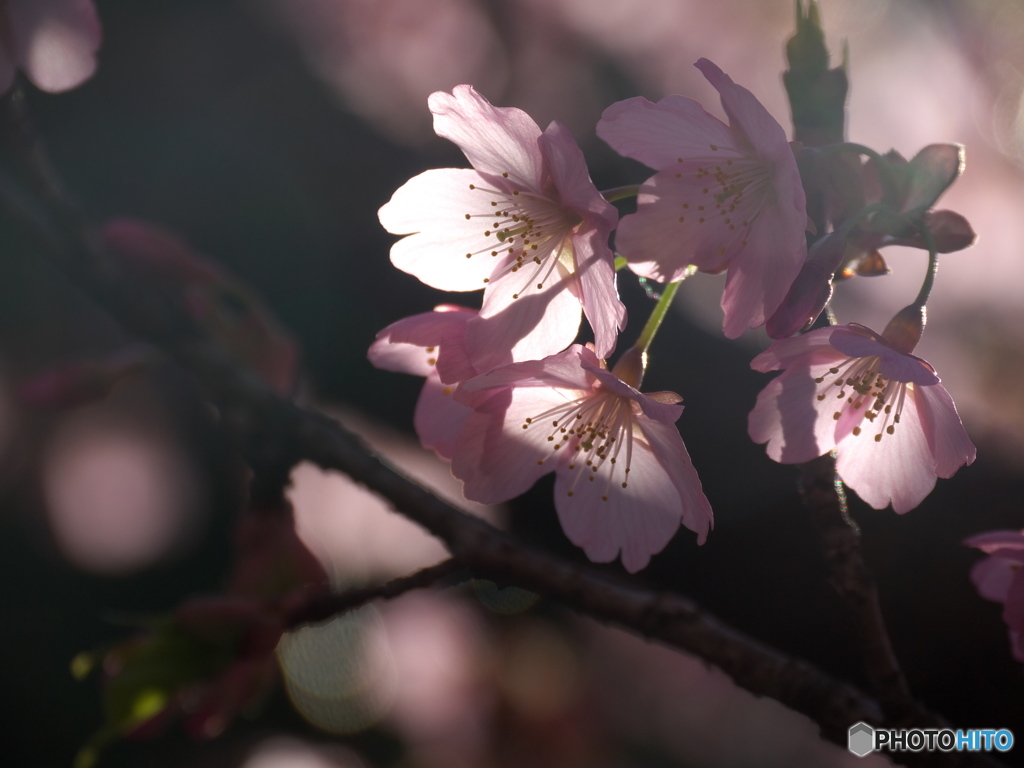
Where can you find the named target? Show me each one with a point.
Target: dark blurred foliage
(204, 118)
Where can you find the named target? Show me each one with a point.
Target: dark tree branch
(854, 582)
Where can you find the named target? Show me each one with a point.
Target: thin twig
(320, 604)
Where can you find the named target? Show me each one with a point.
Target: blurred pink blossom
(999, 578)
(527, 223)
(121, 491)
(726, 196)
(382, 59)
(623, 478)
(836, 378)
(440, 647)
(54, 42)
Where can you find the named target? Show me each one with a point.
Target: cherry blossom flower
(54, 42)
(892, 424)
(623, 478)
(432, 345)
(1000, 578)
(725, 197)
(526, 223)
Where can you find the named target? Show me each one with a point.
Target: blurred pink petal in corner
(384, 59)
(54, 42)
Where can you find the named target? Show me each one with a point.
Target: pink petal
(668, 446)
(659, 134)
(561, 371)
(669, 398)
(679, 222)
(495, 458)
(992, 577)
(564, 160)
(993, 541)
(595, 271)
(747, 115)
(785, 351)
(761, 274)
(453, 361)
(650, 238)
(537, 324)
(427, 329)
(948, 439)
(401, 358)
(431, 209)
(419, 343)
(56, 41)
(495, 140)
(788, 416)
(895, 366)
(604, 518)
(898, 468)
(438, 418)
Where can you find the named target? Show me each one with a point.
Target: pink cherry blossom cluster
(510, 397)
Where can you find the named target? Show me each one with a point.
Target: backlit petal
(899, 468)
(947, 438)
(495, 140)
(659, 134)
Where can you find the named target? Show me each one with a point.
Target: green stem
(657, 315)
(632, 364)
(620, 193)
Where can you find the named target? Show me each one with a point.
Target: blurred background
(267, 133)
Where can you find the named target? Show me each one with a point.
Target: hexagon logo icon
(861, 739)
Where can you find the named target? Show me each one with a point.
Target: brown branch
(852, 579)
